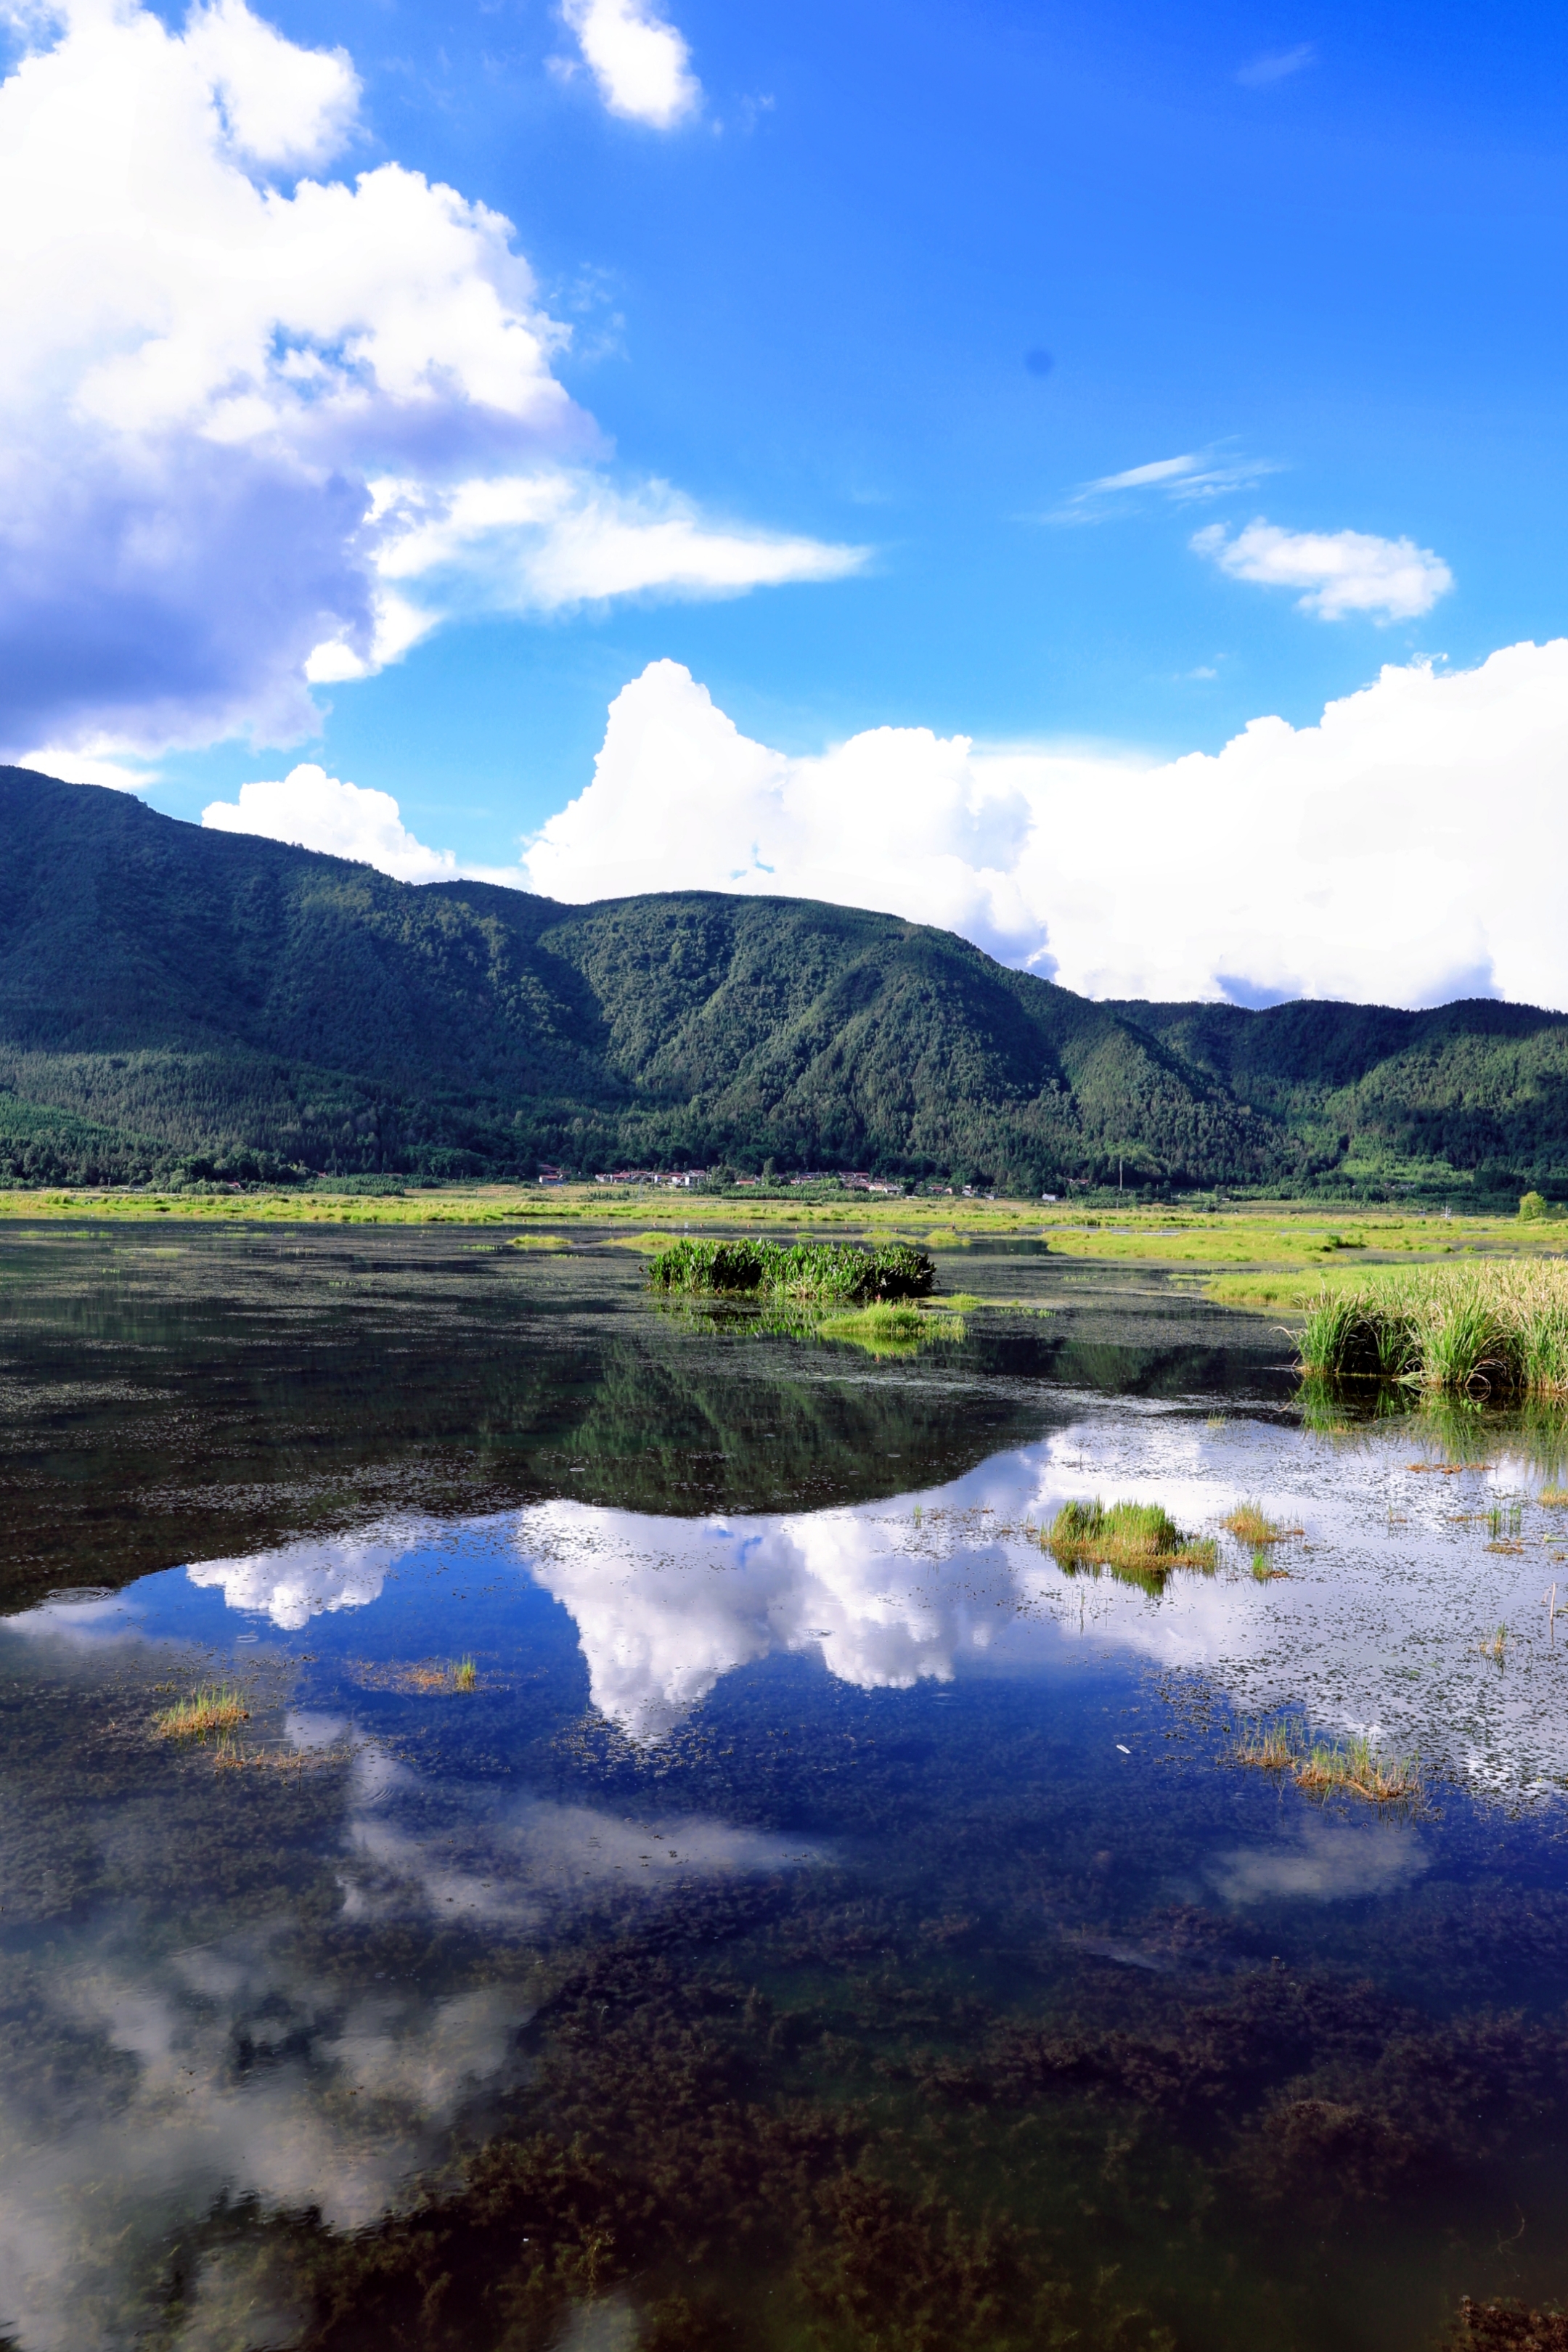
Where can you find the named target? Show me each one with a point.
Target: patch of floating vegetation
(217, 1707)
(890, 1331)
(1138, 1541)
(830, 1273)
(1352, 1767)
(1496, 1328)
(429, 1676)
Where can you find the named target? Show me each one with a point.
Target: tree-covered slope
(172, 997)
(1476, 1083)
(215, 997)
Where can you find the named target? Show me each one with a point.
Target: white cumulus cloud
(1343, 859)
(258, 430)
(1338, 860)
(1342, 571)
(639, 62)
(316, 811)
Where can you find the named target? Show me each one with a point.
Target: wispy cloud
(1196, 474)
(1262, 73)
(1342, 571)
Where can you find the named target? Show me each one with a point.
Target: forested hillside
(173, 1001)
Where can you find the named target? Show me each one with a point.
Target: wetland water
(824, 1921)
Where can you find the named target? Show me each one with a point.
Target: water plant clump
(1251, 1523)
(465, 1676)
(832, 1272)
(217, 1707)
(1349, 1768)
(1494, 1329)
(1137, 1540)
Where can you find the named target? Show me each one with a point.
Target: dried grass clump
(217, 1707)
(1251, 1523)
(1355, 1767)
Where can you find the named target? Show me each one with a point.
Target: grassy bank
(1253, 1254)
(1498, 1329)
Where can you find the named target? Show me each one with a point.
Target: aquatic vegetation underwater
(1500, 1329)
(838, 1272)
(1509, 2326)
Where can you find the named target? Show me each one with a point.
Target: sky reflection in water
(298, 1983)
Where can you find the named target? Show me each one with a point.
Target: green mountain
(179, 1002)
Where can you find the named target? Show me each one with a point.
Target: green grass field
(1257, 1256)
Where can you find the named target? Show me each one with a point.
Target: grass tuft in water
(887, 1330)
(1251, 1523)
(1495, 1645)
(1139, 1541)
(217, 1707)
(1351, 1767)
(465, 1676)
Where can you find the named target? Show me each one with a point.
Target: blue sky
(904, 281)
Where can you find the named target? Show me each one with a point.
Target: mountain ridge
(180, 1001)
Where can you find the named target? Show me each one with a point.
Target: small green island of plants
(1137, 1541)
(830, 1275)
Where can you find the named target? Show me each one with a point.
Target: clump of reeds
(1263, 1566)
(1496, 1645)
(1554, 1498)
(1493, 1329)
(465, 1676)
(1352, 1767)
(838, 1272)
(217, 1707)
(1140, 1542)
(1252, 1524)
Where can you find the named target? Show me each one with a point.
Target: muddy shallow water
(694, 1871)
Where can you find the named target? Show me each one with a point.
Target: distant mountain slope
(1476, 1083)
(172, 997)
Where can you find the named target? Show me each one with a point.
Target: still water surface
(824, 1921)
